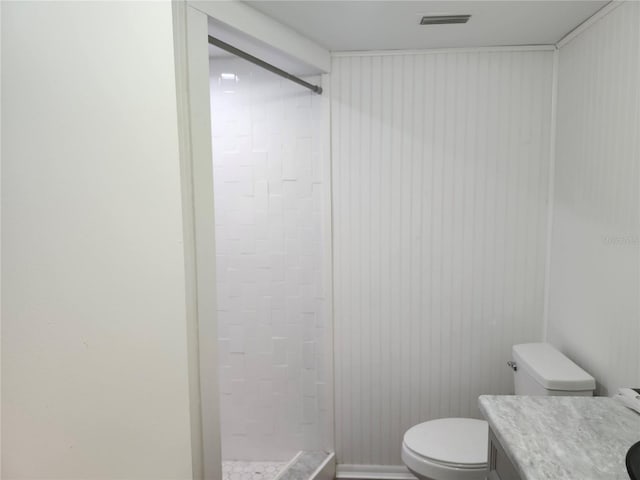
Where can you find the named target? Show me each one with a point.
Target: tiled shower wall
(270, 211)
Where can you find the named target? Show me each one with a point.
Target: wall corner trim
(603, 12)
(551, 197)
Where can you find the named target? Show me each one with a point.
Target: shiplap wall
(440, 201)
(594, 310)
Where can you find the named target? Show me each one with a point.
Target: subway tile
(236, 339)
(308, 354)
(267, 202)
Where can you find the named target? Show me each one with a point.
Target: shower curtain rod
(261, 63)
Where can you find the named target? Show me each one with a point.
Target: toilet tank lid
(551, 369)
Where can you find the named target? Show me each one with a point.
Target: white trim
(550, 193)
(196, 177)
(332, 306)
(603, 12)
(373, 472)
(327, 241)
(0, 244)
(205, 244)
(512, 48)
(179, 14)
(242, 17)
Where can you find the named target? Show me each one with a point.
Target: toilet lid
(455, 441)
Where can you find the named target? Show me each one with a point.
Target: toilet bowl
(457, 448)
(447, 449)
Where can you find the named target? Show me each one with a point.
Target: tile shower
(269, 184)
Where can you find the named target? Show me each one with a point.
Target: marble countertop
(563, 437)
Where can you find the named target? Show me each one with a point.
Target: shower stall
(271, 191)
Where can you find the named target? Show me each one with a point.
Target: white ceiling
(393, 25)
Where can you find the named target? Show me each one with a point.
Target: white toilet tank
(540, 369)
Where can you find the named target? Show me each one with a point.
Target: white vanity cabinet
(500, 467)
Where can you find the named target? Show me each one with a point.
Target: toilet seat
(447, 449)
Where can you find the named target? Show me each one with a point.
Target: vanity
(558, 438)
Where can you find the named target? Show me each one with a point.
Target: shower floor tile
(240, 470)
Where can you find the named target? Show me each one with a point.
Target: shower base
(303, 466)
(241, 470)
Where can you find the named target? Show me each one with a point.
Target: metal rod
(261, 63)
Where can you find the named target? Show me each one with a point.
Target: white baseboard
(373, 472)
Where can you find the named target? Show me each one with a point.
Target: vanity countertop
(551, 438)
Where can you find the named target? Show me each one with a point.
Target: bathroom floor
(241, 470)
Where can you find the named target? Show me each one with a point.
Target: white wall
(594, 311)
(440, 170)
(270, 176)
(93, 304)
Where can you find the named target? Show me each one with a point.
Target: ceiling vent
(444, 19)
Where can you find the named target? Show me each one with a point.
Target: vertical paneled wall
(594, 310)
(440, 187)
(269, 197)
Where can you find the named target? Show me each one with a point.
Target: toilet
(456, 448)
